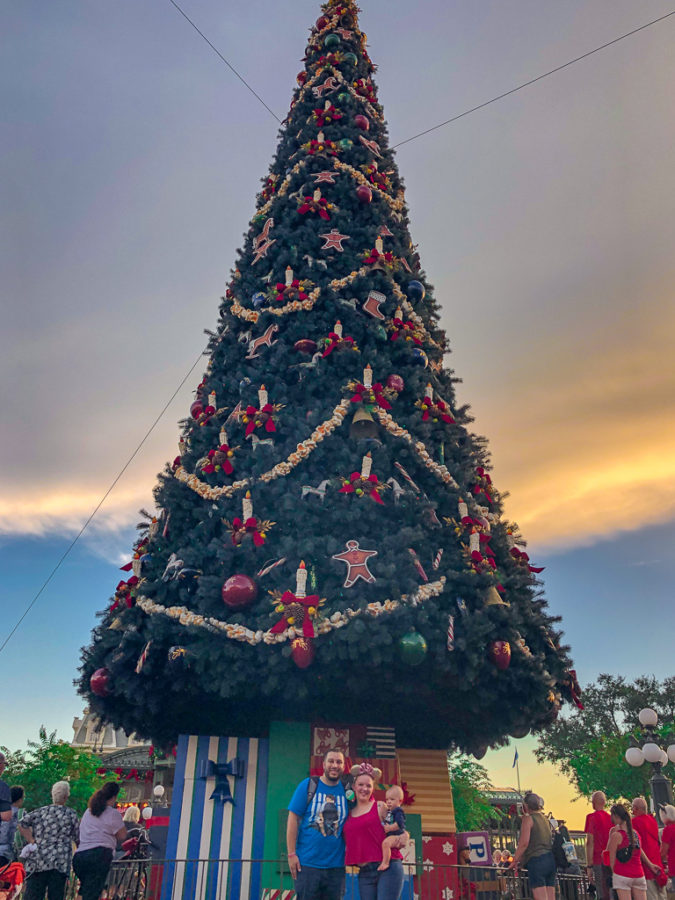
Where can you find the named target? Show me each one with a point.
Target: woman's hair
(622, 813)
(533, 801)
(133, 814)
(60, 791)
(99, 800)
(16, 792)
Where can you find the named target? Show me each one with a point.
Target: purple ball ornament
(396, 383)
(362, 122)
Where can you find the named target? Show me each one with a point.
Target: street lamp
(653, 753)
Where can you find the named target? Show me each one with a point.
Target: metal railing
(256, 879)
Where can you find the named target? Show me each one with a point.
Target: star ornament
(334, 240)
(325, 177)
(357, 563)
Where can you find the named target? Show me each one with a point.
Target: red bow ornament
(483, 484)
(434, 409)
(296, 290)
(370, 396)
(362, 486)
(125, 594)
(259, 418)
(326, 115)
(521, 557)
(219, 460)
(336, 341)
(320, 207)
(297, 612)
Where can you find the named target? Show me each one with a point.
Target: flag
(515, 759)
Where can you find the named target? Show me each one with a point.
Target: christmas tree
(328, 544)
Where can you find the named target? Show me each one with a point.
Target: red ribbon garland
(289, 597)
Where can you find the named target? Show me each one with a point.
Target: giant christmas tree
(328, 545)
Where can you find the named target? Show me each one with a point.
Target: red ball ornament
(100, 682)
(302, 652)
(301, 78)
(196, 409)
(362, 122)
(499, 653)
(321, 23)
(305, 345)
(239, 591)
(396, 383)
(364, 193)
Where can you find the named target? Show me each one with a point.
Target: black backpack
(347, 784)
(559, 855)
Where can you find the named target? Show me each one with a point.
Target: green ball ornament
(344, 97)
(412, 648)
(331, 41)
(350, 59)
(345, 143)
(380, 333)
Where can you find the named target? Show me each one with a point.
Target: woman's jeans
(92, 867)
(387, 885)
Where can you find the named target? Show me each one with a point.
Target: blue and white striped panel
(210, 840)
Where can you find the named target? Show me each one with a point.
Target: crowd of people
(55, 840)
(626, 857)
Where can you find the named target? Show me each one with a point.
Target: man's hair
(597, 795)
(640, 803)
(341, 752)
(16, 793)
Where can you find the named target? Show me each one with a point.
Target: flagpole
(518, 773)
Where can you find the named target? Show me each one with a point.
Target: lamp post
(649, 750)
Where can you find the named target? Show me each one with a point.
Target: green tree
(589, 745)
(328, 399)
(469, 780)
(49, 760)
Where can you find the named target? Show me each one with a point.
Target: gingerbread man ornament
(357, 563)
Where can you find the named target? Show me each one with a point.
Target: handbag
(623, 854)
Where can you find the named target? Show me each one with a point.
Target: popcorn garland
(359, 89)
(280, 469)
(338, 620)
(398, 431)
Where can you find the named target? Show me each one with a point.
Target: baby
(394, 826)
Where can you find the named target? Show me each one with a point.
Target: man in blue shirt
(316, 850)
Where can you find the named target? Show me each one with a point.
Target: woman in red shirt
(668, 840)
(628, 879)
(363, 833)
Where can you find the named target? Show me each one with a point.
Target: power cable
(77, 537)
(532, 80)
(227, 63)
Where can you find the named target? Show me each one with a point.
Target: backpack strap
(312, 785)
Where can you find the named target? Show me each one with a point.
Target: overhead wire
(525, 84)
(100, 503)
(227, 62)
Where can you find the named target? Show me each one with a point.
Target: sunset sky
(545, 222)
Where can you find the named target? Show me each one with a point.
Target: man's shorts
(602, 876)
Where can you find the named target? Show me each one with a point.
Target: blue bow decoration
(221, 792)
